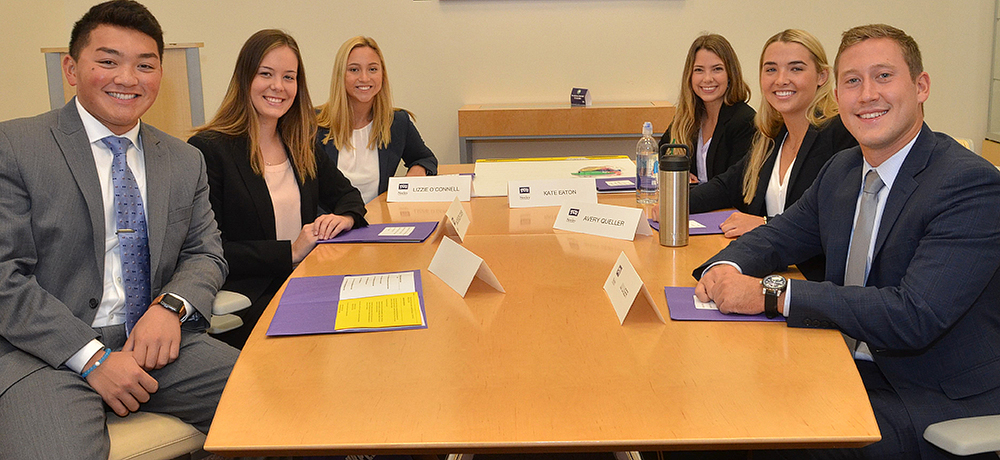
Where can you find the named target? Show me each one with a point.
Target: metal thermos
(674, 189)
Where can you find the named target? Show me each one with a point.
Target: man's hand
(155, 341)
(732, 291)
(121, 382)
(740, 223)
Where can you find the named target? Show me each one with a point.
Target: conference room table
(543, 367)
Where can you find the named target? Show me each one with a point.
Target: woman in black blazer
(712, 109)
(265, 179)
(798, 131)
(359, 119)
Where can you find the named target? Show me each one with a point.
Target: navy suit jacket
(406, 144)
(731, 139)
(930, 311)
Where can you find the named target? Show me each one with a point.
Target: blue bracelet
(107, 351)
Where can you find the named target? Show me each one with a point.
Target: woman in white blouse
(359, 129)
(798, 130)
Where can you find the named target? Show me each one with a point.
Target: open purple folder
(680, 302)
(309, 306)
(371, 233)
(711, 221)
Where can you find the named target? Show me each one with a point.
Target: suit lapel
(725, 113)
(260, 197)
(904, 184)
(800, 158)
(157, 196)
(75, 147)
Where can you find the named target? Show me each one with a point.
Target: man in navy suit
(912, 254)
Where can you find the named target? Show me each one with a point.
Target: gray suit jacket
(930, 310)
(52, 240)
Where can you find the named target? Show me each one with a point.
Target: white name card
(550, 192)
(457, 267)
(456, 221)
(429, 188)
(623, 287)
(603, 220)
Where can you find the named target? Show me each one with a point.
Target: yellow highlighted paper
(393, 310)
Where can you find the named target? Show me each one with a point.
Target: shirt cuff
(720, 263)
(80, 358)
(788, 299)
(189, 310)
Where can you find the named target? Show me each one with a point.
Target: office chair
(966, 436)
(151, 436)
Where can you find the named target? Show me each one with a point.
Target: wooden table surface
(544, 367)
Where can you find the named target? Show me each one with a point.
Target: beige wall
(442, 54)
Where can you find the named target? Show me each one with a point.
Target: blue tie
(132, 238)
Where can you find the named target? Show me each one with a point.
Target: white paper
(356, 287)
(550, 192)
(621, 183)
(602, 220)
(396, 231)
(710, 305)
(695, 224)
(623, 286)
(456, 221)
(457, 267)
(429, 188)
(492, 176)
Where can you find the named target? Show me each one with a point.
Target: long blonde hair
(335, 114)
(769, 121)
(237, 116)
(690, 108)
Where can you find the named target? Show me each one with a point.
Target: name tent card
(457, 267)
(550, 192)
(580, 97)
(456, 221)
(603, 220)
(429, 188)
(623, 287)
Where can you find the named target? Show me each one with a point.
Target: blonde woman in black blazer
(267, 121)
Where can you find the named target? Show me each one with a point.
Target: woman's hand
(328, 226)
(302, 245)
(740, 223)
(693, 178)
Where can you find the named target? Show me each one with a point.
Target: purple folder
(711, 221)
(370, 234)
(309, 306)
(680, 302)
(603, 186)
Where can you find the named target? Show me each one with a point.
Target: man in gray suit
(88, 315)
(909, 225)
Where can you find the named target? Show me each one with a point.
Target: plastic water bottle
(647, 167)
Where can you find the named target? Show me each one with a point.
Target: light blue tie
(132, 237)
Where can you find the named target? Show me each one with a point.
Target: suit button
(808, 322)
(93, 303)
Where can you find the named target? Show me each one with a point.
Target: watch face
(776, 282)
(172, 302)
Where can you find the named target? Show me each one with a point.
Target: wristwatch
(774, 286)
(171, 302)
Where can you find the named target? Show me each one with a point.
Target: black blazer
(406, 145)
(726, 189)
(243, 209)
(730, 141)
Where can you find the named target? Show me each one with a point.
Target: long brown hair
(237, 117)
(335, 114)
(690, 108)
(769, 121)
